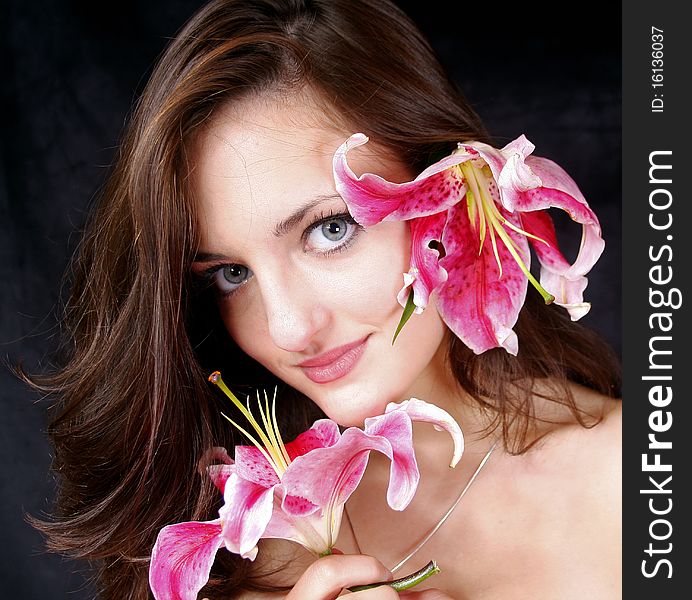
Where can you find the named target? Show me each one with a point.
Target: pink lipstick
(334, 364)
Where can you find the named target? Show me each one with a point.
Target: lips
(334, 364)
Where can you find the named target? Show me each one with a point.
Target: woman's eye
(334, 230)
(231, 277)
(331, 234)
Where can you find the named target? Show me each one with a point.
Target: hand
(327, 577)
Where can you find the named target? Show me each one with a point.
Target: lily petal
(425, 273)
(560, 191)
(219, 475)
(419, 410)
(478, 304)
(330, 475)
(253, 466)
(510, 169)
(322, 434)
(297, 506)
(395, 426)
(245, 514)
(312, 531)
(182, 558)
(372, 199)
(217, 472)
(568, 290)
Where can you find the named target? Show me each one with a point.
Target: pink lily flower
(294, 491)
(472, 216)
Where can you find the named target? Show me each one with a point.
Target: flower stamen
(481, 202)
(255, 443)
(271, 444)
(272, 426)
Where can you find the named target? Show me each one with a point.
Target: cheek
(245, 323)
(378, 276)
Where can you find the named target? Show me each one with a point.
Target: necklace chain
(424, 540)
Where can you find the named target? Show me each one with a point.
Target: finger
(326, 577)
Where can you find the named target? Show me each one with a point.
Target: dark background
(71, 71)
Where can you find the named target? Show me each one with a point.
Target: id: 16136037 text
(657, 69)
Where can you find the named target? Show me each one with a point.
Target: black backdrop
(70, 73)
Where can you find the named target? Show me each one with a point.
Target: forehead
(259, 160)
(261, 157)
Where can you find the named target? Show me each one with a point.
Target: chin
(352, 404)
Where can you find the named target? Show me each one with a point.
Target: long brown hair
(133, 411)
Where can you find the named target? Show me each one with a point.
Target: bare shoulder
(576, 472)
(588, 460)
(606, 452)
(596, 441)
(600, 448)
(604, 440)
(562, 500)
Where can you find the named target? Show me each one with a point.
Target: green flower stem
(403, 583)
(408, 311)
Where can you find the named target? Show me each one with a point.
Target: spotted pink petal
(182, 558)
(425, 273)
(477, 304)
(245, 514)
(330, 475)
(372, 199)
(297, 506)
(252, 465)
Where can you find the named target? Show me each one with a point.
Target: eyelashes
(327, 235)
(333, 227)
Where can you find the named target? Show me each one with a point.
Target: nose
(294, 311)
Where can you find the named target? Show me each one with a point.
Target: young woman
(221, 242)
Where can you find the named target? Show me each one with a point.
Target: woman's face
(301, 287)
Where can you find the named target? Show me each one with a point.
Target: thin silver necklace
(424, 540)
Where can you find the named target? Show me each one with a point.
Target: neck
(438, 385)
(439, 484)
(439, 491)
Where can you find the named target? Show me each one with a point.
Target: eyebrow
(203, 257)
(289, 223)
(282, 228)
